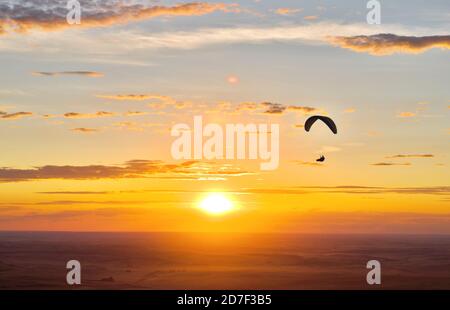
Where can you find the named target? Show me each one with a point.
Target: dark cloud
(411, 156)
(130, 169)
(381, 164)
(305, 110)
(387, 44)
(273, 108)
(16, 115)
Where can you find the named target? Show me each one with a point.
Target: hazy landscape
(36, 260)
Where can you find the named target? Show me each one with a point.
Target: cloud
(303, 109)
(135, 113)
(411, 156)
(130, 169)
(132, 126)
(99, 114)
(387, 43)
(298, 190)
(329, 149)
(309, 163)
(287, 11)
(136, 40)
(271, 108)
(311, 17)
(391, 164)
(407, 114)
(75, 193)
(163, 101)
(37, 15)
(16, 115)
(84, 130)
(350, 110)
(93, 74)
(133, 97)
(358, 189)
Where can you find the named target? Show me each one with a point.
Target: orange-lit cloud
(130, 169)
(311, 17)
(387, 44)
(303, 109)
(88, 115)
(272, 108)
(16, 115)
(73, 73)
(309, 163)
(411, 156)
(407, 114)
(163, 100)
(35, 15)
(350, 110)
(130, 97)
(84, 130)
(135, 113)
(386, 164)
(287, 11)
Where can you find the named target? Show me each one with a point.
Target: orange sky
(86, 114)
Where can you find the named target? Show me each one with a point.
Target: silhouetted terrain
(222, 261)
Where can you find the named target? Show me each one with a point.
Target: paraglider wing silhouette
(328, 121)
(321, 159)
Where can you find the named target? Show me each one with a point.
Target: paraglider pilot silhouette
(328, 121)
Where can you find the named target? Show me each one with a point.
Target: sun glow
(216, 204)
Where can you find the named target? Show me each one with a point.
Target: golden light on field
(216, 204)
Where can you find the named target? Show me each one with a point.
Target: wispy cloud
(311, 17)
(407, 114)
(92, 74)
(387, 43)
(134, 40)
(84, 130)
(15, 115)
(162, 100)
(268, 107)
(287, 11)
(134, 97)
(360, 189)
(411, 156)
(350, 110)
(37, 15)
(98, 114)
(130, 169)
(385, 164)
(135, 113)
(309, 163)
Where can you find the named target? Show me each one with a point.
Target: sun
(216, 204)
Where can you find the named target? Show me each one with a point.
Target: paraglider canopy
(321, 159)
(328, 121)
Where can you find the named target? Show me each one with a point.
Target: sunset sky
(86, 112)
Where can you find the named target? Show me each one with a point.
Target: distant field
(222, 261)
